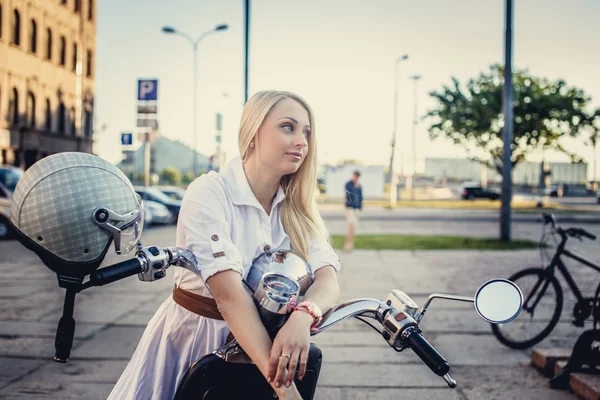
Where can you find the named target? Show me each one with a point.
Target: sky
(337, 54)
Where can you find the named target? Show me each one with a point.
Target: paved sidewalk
(358, 364)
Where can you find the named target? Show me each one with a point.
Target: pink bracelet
(310, 308)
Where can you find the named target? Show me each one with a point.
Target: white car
(9, 176)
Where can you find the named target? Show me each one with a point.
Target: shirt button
(267, 248)
(214, 238)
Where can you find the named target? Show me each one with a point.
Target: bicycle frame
(558, 263)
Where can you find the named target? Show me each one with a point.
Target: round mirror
(498, 301)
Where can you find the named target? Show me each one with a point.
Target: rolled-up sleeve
(207, 232)
(321, 254)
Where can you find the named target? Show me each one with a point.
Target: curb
(550, 361)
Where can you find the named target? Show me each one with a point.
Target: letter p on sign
(148, 89)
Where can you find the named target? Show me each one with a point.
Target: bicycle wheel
(542, 305)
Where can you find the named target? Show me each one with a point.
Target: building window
(30, 110)
(78, 6)
(48, 116)
(13, 107)
(61, 117)
(33, 40)
(63, 2)
(63, 51)
(72, 120)
(88, 124)
(16, 28)
(89, 64)
(48, 44)
(91, 10)
(74, 56)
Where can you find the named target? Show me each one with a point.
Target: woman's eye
(306, 133)
(288, 127)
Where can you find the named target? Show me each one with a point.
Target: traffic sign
(126, 138)
(148, 89)
(147, 123)
(147, 109)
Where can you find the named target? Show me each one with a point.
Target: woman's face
(283, 137)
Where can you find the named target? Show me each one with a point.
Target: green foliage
(171, 175)
(544, 111)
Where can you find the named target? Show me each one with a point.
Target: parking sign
(148, 89)
(126, 138)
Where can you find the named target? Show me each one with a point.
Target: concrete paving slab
(379, 376)
(135, 319)
(356, 338)
(48, 390)
(80, 370)
(503, 393)
(14, 368)
(114, 343)
(398, 393)
(476, 350)
(100, 307)
(367, 354)
(43, 329)
(29, 347)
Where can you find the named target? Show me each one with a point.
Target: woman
(261, 200)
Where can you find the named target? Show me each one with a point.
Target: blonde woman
(261, 200)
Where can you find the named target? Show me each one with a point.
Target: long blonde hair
(299, 214)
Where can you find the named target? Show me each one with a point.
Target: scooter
(229, 373)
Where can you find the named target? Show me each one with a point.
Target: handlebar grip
(426, 352)
(587, 234)
(117, 271)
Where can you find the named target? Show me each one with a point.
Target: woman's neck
(263, 183)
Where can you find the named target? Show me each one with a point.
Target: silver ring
(285, 355)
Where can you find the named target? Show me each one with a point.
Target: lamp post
(393, 181)
(173, 31)
(507, 130)
(410, 179)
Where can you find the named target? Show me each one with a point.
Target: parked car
(9, 177)
(174, 192)
(153, 194)
(475, 191)
(158, 214)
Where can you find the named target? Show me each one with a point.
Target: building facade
(47, 57)
(526, 173)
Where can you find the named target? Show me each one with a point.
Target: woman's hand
(290, 347)
(285, 393)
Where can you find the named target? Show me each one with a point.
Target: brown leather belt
(200, 305)
(203, 306)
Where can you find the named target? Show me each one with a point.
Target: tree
(544, 111)
(188, 177)
(594, 137)
(171, 175)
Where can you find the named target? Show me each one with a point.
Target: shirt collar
(241, 194)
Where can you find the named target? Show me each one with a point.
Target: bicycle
(543, 301)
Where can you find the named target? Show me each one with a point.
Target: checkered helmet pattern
(54, 201)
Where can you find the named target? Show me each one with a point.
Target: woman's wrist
(304, 316)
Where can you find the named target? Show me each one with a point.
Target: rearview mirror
(498, 301)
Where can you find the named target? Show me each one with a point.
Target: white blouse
(226, 227)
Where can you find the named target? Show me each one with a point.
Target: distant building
(371, 178)
(525, 173)
(164, 153)
(47, 55)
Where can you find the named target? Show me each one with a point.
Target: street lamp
(393, 182)
(409, 180)
(173, 31)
